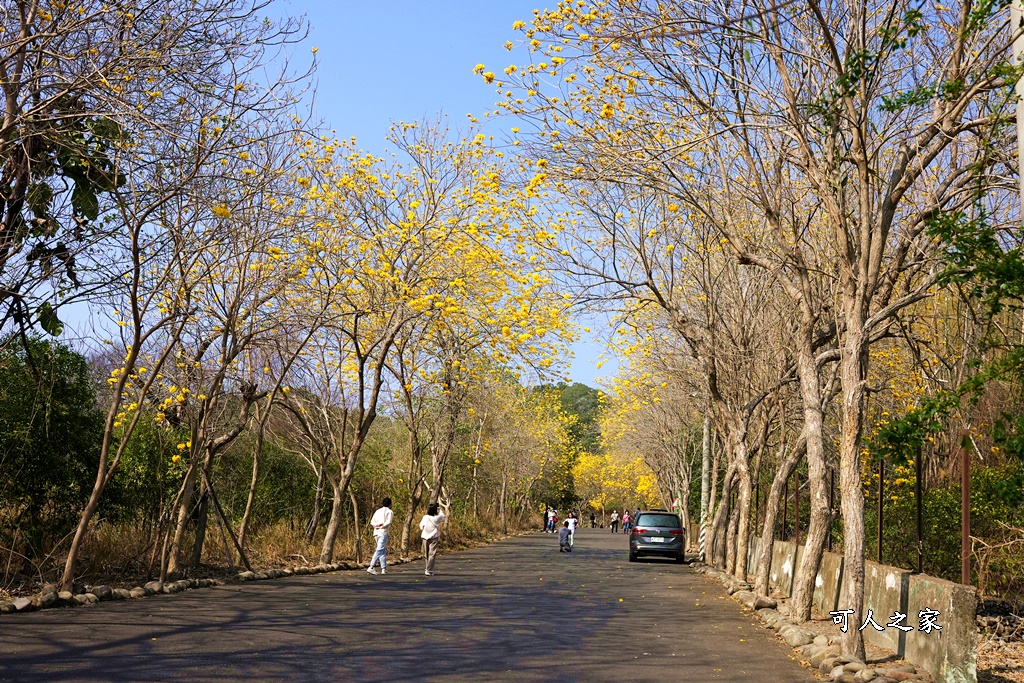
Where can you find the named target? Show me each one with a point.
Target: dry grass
(119, 554)
(112, 550)
(280, 546)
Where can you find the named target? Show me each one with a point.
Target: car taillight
(677, 532)
(640, 531)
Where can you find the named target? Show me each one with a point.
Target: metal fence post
(965, 513)
(918, 487)
(881, 504)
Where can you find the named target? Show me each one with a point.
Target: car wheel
(632, 557)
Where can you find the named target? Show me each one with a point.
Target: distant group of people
(567, 529)
(430, 532)
(628, 521)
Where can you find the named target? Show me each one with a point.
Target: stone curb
(821, 652)
(49, 597)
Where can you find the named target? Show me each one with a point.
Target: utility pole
(705, 485)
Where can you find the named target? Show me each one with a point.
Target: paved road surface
(514, 611)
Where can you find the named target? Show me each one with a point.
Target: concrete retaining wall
(828, 582)
(949, 654)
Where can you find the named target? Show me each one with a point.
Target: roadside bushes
(50, 430)
(997, 517)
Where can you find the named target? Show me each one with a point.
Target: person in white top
(431, 533)
(572, 521)
(381, 523)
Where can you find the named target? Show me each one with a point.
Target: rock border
(819, 651)
(49, 597)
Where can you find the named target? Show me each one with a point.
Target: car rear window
(670, 521)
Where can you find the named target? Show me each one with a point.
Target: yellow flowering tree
(424, 250)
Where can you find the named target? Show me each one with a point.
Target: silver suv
(657, 533)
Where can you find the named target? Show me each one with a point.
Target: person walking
(626, 519)
(381, 523)
(593, 521)
(615, 522)
(430, 531)
(571, 522)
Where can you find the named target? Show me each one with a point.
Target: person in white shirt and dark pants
(431, 533)
(381, 523)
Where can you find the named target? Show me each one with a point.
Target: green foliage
(50, 433)
(983, 12)
(62, 152)
(284, 492)
(997, 497)
(146, 475)
(863, 64)
(584, 403)
(558, 486)
(49, 321)
(77, 148)
(991, 268)
(980, 256)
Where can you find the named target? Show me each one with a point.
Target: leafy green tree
(583, 403)
(50, 432)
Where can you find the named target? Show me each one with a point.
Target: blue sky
(406, 60)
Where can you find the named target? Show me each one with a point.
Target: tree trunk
(731, 533)
(771, 514)
(705, 471)
(188, 488)
(70, 565)
(204, 506)
(415, 473)
(340, 487)
(821, 515)
(713, 503)
(501, 506)
(333, 524)
(357, 554)
(744, 492)
(684, 512)
(314, 521)
(201, 519)
(243, 531)
(228, 555)
(412, 503)
(717, 540)
(853, 371)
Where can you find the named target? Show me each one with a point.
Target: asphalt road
(517, 610)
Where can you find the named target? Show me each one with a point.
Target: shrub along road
(516, 610)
